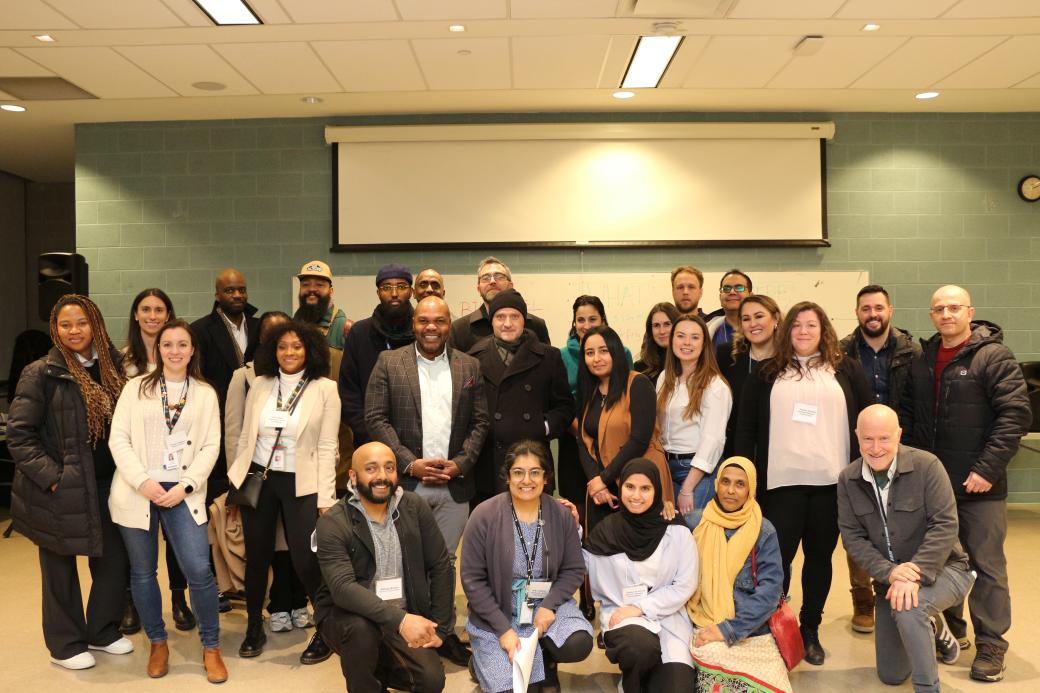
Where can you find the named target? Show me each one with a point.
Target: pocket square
(469, 383)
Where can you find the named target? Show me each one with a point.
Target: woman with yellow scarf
(739, 588)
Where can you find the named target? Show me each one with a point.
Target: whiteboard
(627, 296)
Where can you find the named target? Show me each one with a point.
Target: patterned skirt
(753, 665)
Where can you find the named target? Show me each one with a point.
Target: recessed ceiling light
(465, 51)
(209, 86)
(224, 12)
(457, 28)
(870, 27)
(45, 38)
(12, 108)
(651, 59)
(926, 95)
(311, 100)
(623, 94)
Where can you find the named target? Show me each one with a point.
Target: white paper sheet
(523, 660)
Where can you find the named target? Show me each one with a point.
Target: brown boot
(862, 609)
(216, 672)
(159, 660)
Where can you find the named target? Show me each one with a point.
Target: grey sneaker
(945, 642)
(281, 622)
(301, 618)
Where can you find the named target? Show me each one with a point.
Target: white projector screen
(688, 184)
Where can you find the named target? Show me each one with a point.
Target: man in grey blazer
(426, 403)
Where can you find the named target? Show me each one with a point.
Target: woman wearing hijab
(740, 582)
(643, 569)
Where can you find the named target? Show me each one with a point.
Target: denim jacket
(754, 603)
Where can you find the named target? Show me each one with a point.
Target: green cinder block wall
(918, 200)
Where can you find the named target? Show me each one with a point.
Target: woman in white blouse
(165, 439)
(693, 406)
(290, 428)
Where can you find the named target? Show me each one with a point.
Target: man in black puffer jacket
(966, 403)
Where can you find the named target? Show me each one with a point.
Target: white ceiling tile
(369, 66)
(841, 61)
(740, 62)
(423, 10)
(6, 97)
(616, 61)
(1007, 64)
(332, 11)
(101, 71)
(189, 12)
(682, 62)
(558, 62)
(31, 15)
(681, 9)
(117, 14)
(978, 9)
(180, 66)
(1031, 83)
(485, 66)
(17, 65)
(280, 68)
(784, 9)
(269, 11)
(894, 9)
(924, 60)
(555, 9)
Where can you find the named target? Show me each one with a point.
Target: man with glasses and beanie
(724, 324)
(492, 276)
(966, 403)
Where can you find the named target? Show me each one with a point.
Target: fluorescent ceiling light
(623, 94)
(456, 28)
(228, 12)
(870, 27)
(926, 95)
(12, 108)
(44, 38)
(651, 59)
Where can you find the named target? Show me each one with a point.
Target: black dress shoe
(813, 649)
(256, 638)
(182, 616)
(454, 651)
(131, 622)
(317, 651)
(223, 603)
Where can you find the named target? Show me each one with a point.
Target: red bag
(784, 626)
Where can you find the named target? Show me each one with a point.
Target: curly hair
(99, 397)
(532, 448)
(785, 359)
(149, 382)
(136, 355)
(706, 370)
(315, 348)
(740, 342)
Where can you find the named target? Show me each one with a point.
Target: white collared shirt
(237, 331)
(435, 398)
(87, 363)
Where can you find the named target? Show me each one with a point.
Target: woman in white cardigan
(165, 439)
(291, 428)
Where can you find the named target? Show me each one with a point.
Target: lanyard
(529, 557)
(884, 518)
(171, 420)
(292, 397)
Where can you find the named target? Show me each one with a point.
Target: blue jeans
(191, 546)
(703, 492)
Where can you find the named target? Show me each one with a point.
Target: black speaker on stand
(60, 274)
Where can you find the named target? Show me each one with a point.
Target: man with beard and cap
(885, 352)
(966, 402)
(389, 327)
(429, 282)
(385, 602)
(316, 305)
(527, 391)
(492, 276)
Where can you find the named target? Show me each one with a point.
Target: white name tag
(392, 588)
(805, 413)
(176, 442)
(538, 589)
(276, 419)
(633, 593)
(526, 615)
(171, 459)
(278, 461)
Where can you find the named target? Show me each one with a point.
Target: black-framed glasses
(733, 288)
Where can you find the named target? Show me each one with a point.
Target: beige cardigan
(317, 438)
(128, 507)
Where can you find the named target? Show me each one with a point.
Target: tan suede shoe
(159, 660)
(216, 672)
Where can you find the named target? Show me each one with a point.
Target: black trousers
(287, 591)
(638, 652)
(66, 631)
(570, 477)
(300, 515)
(373, 658)
(806, 515)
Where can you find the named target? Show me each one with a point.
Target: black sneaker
(945, 644)
(813, 649)
(988, 664)
(255, 639)
(317, 651)
(223, 603)
(453, 650)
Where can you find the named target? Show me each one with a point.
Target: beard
(366, 491)
(314, 314)
(397, 314)
(232, 309)
(872, 332)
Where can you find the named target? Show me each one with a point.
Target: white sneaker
(281, 622)
(121, 646)
(84, 660)
(301, 618)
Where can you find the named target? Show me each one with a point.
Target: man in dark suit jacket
(426, 403)
(492, 276)
(226, 339)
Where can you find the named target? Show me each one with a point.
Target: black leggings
(574, 649)
(806, 515)
(638, 652)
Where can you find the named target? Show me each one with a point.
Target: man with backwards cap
(316, 305)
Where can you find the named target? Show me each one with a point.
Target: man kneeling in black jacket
(385, 600)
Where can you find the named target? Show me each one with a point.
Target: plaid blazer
(393, 414)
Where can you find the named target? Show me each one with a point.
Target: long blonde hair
(707, 369)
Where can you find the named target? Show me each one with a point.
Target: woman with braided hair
(58, 435)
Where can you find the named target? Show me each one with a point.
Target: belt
(679, 455)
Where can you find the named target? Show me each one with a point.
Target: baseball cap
(315, 268)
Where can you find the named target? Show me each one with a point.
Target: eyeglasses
(728, 288)
(953, 308)
(390, 288)
(536, 474)
(493, 276)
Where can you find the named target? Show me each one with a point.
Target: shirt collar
(868, 473)
(443, 356)
(86, 363)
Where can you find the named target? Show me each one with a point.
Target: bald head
(878, 433)
(952, 313)
(431, 323)
(373, 471)
(371, 451)
(429, 282)
(231, 293)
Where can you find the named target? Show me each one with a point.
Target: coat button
(196, 511)
(189, 442)
(527, 417)
(527, 387)
(185, 467)
(498, 416)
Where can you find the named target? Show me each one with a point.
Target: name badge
(278, 461)
(171, 459)
(526, 614)
(633, 593)
(538, 589)
(391, 588)
(175, 442)
(276, 419)
(805, 413)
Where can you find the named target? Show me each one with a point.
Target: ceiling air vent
(42, 89)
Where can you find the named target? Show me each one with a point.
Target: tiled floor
(24, 665)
